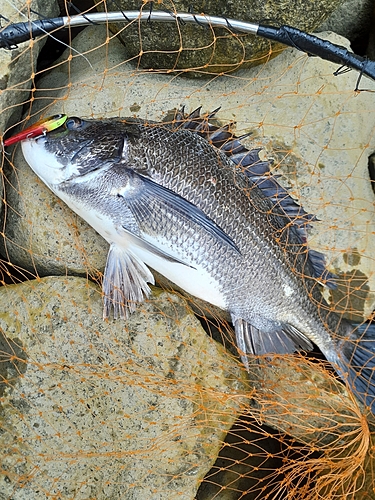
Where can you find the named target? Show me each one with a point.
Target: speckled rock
(178, 46)
(107, 410)
(315, 127)
(352, 19)
(19, 64)
(94, 409)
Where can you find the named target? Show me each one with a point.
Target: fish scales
(164, 196)
(251, 225)
(252, 221)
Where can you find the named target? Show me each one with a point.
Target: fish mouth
(41, 140)
(35, 148)
(44, 163)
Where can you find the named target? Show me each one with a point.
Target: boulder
(18, 65)
(153, 407)
(352, 19)
(94, 409)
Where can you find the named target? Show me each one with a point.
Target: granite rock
(94, 409)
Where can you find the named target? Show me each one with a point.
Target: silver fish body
(166, 198)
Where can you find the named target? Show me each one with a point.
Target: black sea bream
(188, 200)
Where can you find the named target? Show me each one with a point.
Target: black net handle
(315, 46)
(12, 35)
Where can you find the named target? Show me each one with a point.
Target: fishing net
(159, 406)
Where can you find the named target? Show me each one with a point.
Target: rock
(177, 46)
(322, 435)
(99, 409)
(93, 409)
(317, 129)
(327, 143)
(49, 257)
(71, 378)
(18, 66)
(351, 19)
(371, 42)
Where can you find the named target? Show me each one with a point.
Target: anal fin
(124, 282)
(283, 340)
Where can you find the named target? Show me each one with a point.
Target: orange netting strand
(155, 408)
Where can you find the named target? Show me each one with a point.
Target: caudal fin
(357, 363)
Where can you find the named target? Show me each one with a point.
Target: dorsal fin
(260, 174)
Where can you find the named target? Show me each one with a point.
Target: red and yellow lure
(39, 128)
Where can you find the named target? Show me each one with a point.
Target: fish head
(75, 149)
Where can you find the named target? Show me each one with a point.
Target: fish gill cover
(159, 405)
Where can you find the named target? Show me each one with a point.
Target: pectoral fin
(124, 282)
(144, 196)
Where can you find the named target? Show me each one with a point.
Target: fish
(186, 198)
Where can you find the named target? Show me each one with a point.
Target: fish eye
(73, 123)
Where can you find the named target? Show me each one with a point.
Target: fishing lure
(39, 128)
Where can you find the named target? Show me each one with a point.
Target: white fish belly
(194, 280)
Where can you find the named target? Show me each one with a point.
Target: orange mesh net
(160, 406)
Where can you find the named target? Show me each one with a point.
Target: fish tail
(356, 360)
